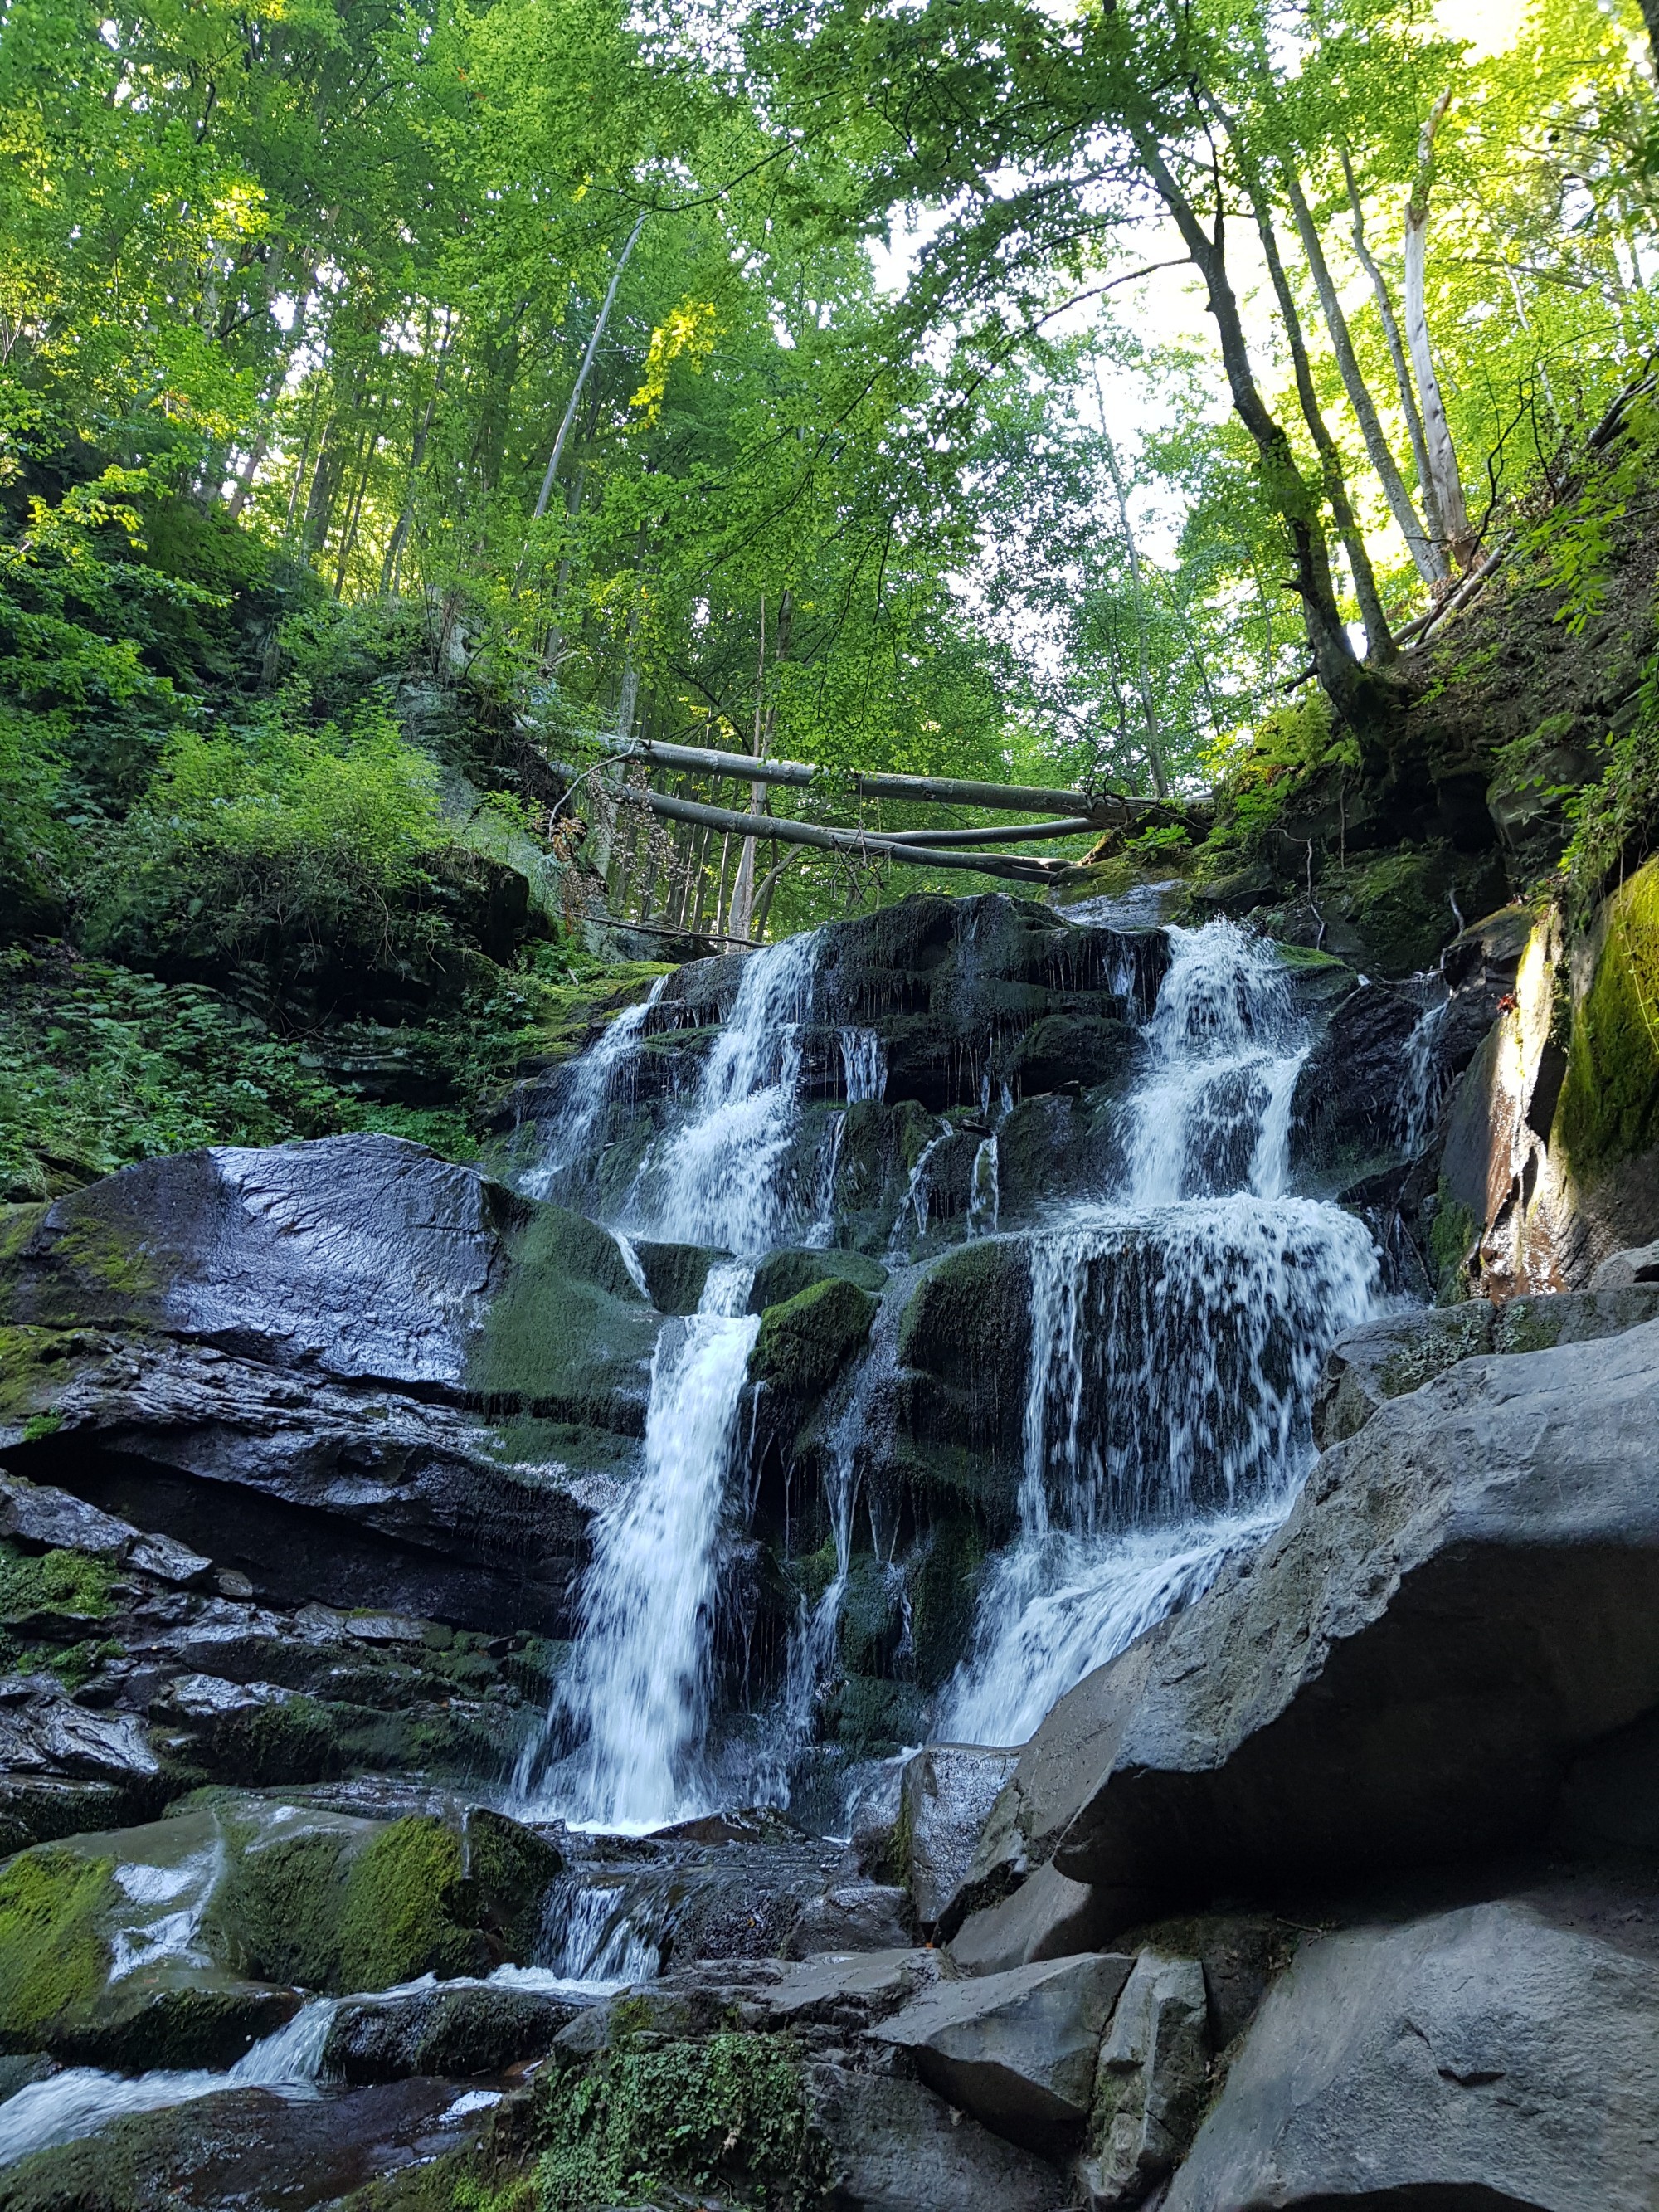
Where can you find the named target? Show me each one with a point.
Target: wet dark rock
(896, 2146)
(249, 2147)
(855, 1916)
(949, 1789)
(1016, 2049)
(787, 1274)
(1465, 1598)
(959, 1406)
(1483, 2056)
(1347, 1116)
(478, 2029)
(38, 1516)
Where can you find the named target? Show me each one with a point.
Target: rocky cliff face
(1332, 1885)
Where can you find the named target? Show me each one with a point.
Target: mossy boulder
(272, 1897)
(783, 1275)
(804, 1343)
(569, 1331)
(962, 1348)
(675, 1273)
(1608, 1109)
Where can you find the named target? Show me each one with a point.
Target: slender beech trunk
(546, 491)
(1379, 639)
(1402, 375)
(766, 723)
(1428, 557)
(1288, 495)
(1436, 431)
(1143, 669)
(399, 538)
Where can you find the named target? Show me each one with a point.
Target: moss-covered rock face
(568, 1334)
(963, 1344)
(783, 1275)
(272, 1897)
(726, 2115)
(1609, 1110)
(804, 1343)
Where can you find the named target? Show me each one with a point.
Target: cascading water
(586, 1088)
(714, 1179)
(622, 1745)
(1177, 1330)
(636, 1695)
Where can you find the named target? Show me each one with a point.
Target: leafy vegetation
(398, 407)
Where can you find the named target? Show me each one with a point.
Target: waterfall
(1178, 1327)
(635, 1696)
(585, 1091)
(1426, 1081)
(713, 1179)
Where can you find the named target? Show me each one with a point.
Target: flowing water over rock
(1177, 1307)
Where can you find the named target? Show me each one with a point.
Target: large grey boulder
(1016, 2049)
(864, 1915)
(895, 2146)
(1047, 1918)
(1150, 2081)
(475, 2028)
(1479, 2057)
(1622, 1270)
(1389, 1357)
(1464, 1599)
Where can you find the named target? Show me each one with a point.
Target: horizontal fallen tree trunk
(1009, 833)
(1096, 811)
(771, 828)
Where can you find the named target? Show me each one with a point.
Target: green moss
(944, 1588)
(294, 1740)
(1452, 1235)
(511, 1869)
(727, 2114)
(276, 1915)
(567, 1325)
(408, 1908)
(1608, 1109)
(874, 1718)
(54, 1582)
(54, 1958)
(804, 1343)
(784, 1275)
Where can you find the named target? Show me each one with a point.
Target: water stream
(1179, 1316)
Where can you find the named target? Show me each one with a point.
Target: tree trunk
(1015, 867)
(1378, 637)
(1287, 495)
(1437, 432)
(1148, 705)
(1402, 375)
(1429, 559)
(546, 491)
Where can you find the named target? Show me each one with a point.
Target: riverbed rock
(1016, 2049)
(896, 2146)
(1402, 1352)
(948, 1791)
(476, 2028)
(1047, 1918)
(1488, 2055)
(1622, 1270)
(853, 1916)
(1150, 2081)
(1464, 1599)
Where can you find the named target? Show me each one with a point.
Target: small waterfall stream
(1179, 1316)
(1178, 1330)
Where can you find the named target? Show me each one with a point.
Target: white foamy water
(634, 1698)
(1178, 1330)
(585, 1087)
(82, 2099)
(716, 1178)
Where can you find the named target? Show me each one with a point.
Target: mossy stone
(803, 1344)
(1608, 1109)
(674, 1274)
(511, 1869)
(783, 1275)
(54, 1959)
(408, 1908)
(568, 1326)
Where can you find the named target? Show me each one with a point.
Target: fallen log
(1015, 867)
(1090, 811)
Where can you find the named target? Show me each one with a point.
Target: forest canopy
(406, 404)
